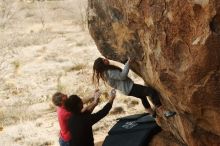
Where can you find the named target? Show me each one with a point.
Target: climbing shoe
(169, 114)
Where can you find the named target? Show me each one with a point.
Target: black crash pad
(134, 130)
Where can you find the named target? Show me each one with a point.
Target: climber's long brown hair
(99, 68)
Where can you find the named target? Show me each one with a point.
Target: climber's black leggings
(141, 92)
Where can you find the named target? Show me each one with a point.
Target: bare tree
(8, 10)
(41, 15)
(77, 9)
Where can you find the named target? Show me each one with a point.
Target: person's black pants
(141, 92)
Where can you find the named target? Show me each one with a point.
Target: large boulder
(176, 46)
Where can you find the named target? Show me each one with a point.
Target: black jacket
(81, 126)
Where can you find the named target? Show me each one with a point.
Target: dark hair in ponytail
(99, 67)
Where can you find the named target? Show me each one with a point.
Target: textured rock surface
(176, 44)
(164, 139)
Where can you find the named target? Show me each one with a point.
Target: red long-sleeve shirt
(63, 117)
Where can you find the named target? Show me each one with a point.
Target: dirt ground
(45, 47)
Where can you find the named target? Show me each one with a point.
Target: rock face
(176, 46)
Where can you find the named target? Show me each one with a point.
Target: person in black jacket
(80, 123)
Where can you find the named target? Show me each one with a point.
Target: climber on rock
(118, 78)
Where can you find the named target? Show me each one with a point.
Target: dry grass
(134, 102)
(60, 87)
(117, 110)
(76, 67)
(16, 65)
(9, 10)
(44, 49)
